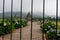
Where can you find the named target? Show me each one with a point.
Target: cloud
(50, 6)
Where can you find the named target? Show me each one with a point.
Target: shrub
(24, 23)
(47, 26)
(17, 25)
(13, 21)
(51, 34)
(5, 28)
(1, 29)
(20, 23)
(49, 29)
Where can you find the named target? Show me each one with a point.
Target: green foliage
(47, 26)
(24, 23)
(17, 25)
(7, 27)
(51, 34)
(20, 23)
(49, 29)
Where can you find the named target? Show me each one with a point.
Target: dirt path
(37, 34)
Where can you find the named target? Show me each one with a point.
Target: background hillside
(24, 14)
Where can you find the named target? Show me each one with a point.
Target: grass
(2, 20)
(58, 24)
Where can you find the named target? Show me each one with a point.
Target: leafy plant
(7, 27)
(24, 23)
(51, 34)
(20, 23)
(17, 25)
(47, 26)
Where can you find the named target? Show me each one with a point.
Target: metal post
(43, 18)
(21, 22)
(11, 17)
(31, 17)
(56, 17)
(3, 19)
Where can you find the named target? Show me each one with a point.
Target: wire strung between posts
(31, 17)
(11, 17)
(21, 22)
(56, 17)
(43, 18)
(3, 20)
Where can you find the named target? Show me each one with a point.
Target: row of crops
(9, 26)
(49, 30)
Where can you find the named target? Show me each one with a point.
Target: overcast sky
(50, 6)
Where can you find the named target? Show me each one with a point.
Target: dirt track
(37, 34)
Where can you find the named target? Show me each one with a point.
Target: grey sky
(50, 7)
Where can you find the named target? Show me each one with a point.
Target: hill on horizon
(24, 14)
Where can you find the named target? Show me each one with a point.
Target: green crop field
(58, 24)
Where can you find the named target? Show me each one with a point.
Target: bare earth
(26, 31)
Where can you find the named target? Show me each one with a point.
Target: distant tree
(49, 18)
(15, 15)
(59, 19)
(40, 18)
(53, 19)
(28, 17)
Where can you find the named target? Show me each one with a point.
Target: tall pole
(31, 17)
(11, 17)
(56, 17)
(3, 19)
(43, 18)
(21, 22)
